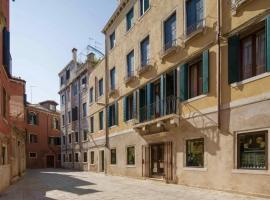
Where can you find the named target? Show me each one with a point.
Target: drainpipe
(219, 63)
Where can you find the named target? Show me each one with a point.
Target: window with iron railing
(112, 79)
(145, 52)
(130, 64)
(170, 32)
(194, 15)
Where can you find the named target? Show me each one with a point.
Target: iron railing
(129, 75)
(158, 109)
(194, 27)
(170, 44)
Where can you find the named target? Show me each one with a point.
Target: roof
(50, 102)
(40, 107)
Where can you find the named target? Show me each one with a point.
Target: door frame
(151, 161)
(53, 160)
(101, 161)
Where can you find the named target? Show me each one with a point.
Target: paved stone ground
(65, 185)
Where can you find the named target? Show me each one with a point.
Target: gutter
(219, 64)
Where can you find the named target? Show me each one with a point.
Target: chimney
(91, 57)
(74, 55)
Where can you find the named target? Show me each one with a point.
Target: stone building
(43, 142)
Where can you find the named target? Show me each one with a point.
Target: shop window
(131, 155)
(92, 161)
(113, 156)
(84, 156)
(195, 153)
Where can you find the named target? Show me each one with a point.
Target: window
(4, 155)
(63, 120)
(54, 141)
(92, 161)
(76, 137)
(194, 15)
(113, 115)
(64, 140)
(130, 19)
(195, 79)
(112, 79)
(64, 157)
(252, 150)
(69, 138)
(75, 114)
(101, 120)
(32, 155)
(84, 80)
(84, 156)
(144, 6)
(131, 155)
(92, 124)
(74, 89)
(170, 32)
(32, 118)
(52, 107)
(91, 93)
(70, 157)
(62, 80)
(195, 153)
(76, 157)
(129, 107)
(130, 64)
(112, 40)
(33, 139)
(59, 157)
(85, 136)
(145, 52)
(113, 156)
(100, 87)
(4, 105)
(68, 95)
(84, 110)
(69, 116)
(63, 99)
(68, 74)
(55, 123)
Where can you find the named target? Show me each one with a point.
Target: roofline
(115, 14)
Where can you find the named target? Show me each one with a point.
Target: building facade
(12, 105)
(43, 142)
(187, 94)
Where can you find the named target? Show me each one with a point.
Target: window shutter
(125, 108)
(205, 71)
(134, 106)
(234, 55)
(162, 94)
(146, 5)
(149, 92)
(183, 82)
(116, 113)
(268, 44)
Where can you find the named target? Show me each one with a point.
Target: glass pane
(260, 53)
(247, 58)
(252, 151)
(195, 153)
(131, 155)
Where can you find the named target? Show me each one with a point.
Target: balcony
(113, 91)
(236, 4)
(169, 49)
(194, 29)
(130, 77)
(159, 113)
(145, 67)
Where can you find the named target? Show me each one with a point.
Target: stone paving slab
(70, 185)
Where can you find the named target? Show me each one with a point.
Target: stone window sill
(249, 80)
(255, 172)
(195, 169)
(195, 98)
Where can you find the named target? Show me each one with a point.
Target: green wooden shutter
(149, 91)
(162, 94)
(109, 116)
(205, 71)
(125, 108)
(134, 106)
(234, 59)
(116, 113)
(183, 82)
(268, 43)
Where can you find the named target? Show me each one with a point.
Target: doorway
(157, 165)
(101, 161)
(50, 161)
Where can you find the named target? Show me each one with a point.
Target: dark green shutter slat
(150, 98)
(268, 44)
(116, 113)
(205, 71)
(234, 61)
(134, 106)
(162, 94)
(109, 116)
(183, 82)
(125, 108)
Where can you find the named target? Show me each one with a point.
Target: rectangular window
(68, 95)
(76, 137)
(253, 56)
(194, 15)
(195, 79)
(54, 141)
(69, 138)
(70, 157)
(32, 155)
(145, 52)
(101, 120)
(84, 110)
(91, 93)
(131, 155)
(100, 87)
(32, 118)
(130, 19)
(112, 79)
(84, 80)
(144, 6)
(63, 99)
(85, 136)
(84, 156)
(55, 123)
(75, 114)
(33, 138)
(68, 74)
(113, 110)
(113, 156)
(130, 64)
(252, 150)
(74, 89)
(63, 120)
(92, 161)
(92, 124)
(112, 40)
(69, 117)
(195, 153)
(129, 108)
(62, 80)
(170, 32)
(64, 140)
(76, 157)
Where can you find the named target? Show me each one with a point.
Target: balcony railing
(129, 77)
(236, 4)
(158, 109)
(195, 27)
(169, 48)
(145, 66)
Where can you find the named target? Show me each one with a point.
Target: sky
(43, 32)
